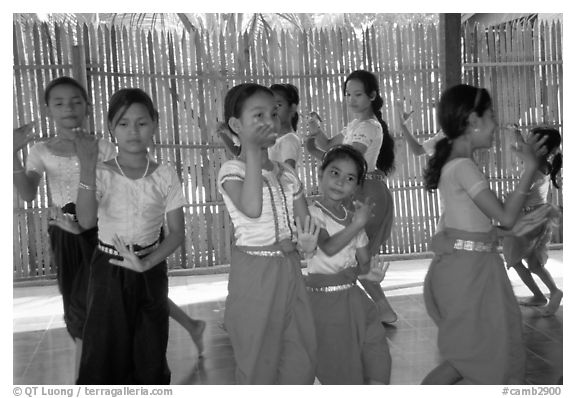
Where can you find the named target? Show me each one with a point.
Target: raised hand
(130, 260)
(307, 234)
(378, 268)
(531, 150)
(313, 120)
(65, 222)
(23, 135)
(86, 147)
(362, 212)
(264, 135)
(402, 114)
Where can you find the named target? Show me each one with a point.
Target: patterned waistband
(330, 289)
(140, 251)
(375, 175)
(473, 246)
(265, 253)
(279, 249)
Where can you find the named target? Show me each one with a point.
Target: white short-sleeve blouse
(135, 209)
(369, 133)
(62, 172)
(323, 264)
(280, 188)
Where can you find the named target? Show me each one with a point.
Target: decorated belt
(141, 251)
(373, 175)
(279, 249)
(470, 245)
(330, 289)
(265, 253)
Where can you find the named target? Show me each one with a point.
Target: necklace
(332, 214)
(122, 171)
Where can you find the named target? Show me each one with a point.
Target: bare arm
(86, 203)
(247, 195)
(507, 214)
(413, 143)
(174, 238)
(335, 243)
(26, 183)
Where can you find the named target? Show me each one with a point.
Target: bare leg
(194, 327)
(555, 293)
(526, 276)
(78, 343)
(442, 374)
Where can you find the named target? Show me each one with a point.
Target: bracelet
(81, 185)
(18, 171)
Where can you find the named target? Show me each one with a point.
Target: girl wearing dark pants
(131, 198)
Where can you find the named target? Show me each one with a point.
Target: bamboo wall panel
(188, 74)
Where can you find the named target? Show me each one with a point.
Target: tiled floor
(44, 353)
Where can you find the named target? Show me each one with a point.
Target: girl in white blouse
(352, 347)
(368, 133)
(129, 197)
(288, 146)
(267, 316)
(71, 246)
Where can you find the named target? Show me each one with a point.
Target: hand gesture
(23, 135)
(130, 260)
(532, 150)
(86, 147)
(307, 234)
(263, 136)
(313, 121)
(402, 115)
(362, 212)
(378, 268)
(65, 222)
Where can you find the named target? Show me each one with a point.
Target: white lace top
(286, 147)
(367, 132)
(321, 263)
(281, 187)
(62, 172)
(135, 209)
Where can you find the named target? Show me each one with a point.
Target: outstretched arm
(403, 117)
(26, 183)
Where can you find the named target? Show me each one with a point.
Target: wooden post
(450, 49)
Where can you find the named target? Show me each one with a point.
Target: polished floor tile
(43, 353)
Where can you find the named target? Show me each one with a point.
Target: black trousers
(126, 330)
(71, 255)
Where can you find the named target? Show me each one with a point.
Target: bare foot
(553, 303)
(197, 335)
(533, 301)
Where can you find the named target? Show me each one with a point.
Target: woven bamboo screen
(188, 75)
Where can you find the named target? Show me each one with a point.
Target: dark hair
(346, 152)
(455, 106)
(552, 143)
(233, 104)
(385, 161)
(290, 93)
(64, 81)
(122, 99)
